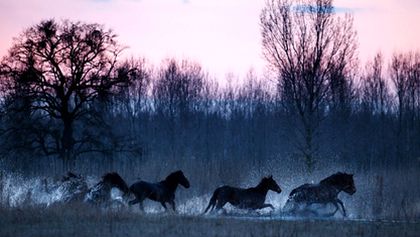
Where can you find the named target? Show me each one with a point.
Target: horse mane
(114, 179)
(172, 175)
(263, 182)
(335, 179)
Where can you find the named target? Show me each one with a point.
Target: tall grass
(82, 220)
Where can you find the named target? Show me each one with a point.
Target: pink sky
(222, 35)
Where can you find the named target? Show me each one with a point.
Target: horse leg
(135, 201)
(132, 202)
(210, 206)
(335, 211)
(266, 205)
(164, 205)
(213, 200)
(342, 206)
(309, 210)
(172, 203)
(141, 207)
(336, 207)
(220, 204)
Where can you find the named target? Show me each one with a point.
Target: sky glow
(222, 35)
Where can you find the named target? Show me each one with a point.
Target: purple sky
(222, 35)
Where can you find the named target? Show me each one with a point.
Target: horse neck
(332, 183)
(261, 188)
(170, 184)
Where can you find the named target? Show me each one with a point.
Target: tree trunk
(67, 145)
(309, 148)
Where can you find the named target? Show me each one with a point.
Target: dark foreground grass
(80, 220)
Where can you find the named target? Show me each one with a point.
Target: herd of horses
(299, 200)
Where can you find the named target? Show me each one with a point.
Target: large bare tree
(61, 69)
(311, 49)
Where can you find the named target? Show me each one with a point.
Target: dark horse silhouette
(100, 193)
(250, 198)
(163, 191)
(324, 192)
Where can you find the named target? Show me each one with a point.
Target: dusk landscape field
(209, 118)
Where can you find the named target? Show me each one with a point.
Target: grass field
(80, 220)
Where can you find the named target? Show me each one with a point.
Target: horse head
(348, 184)
(271, 184)
(180, 178)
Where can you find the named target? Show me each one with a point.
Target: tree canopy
(58, 70)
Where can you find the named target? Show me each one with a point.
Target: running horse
(326, 191)
(250, 198)
(163, 191)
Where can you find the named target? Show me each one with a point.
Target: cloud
(205, 29)
(347, 9)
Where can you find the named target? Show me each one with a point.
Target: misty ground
(35, 206)
(82, 220)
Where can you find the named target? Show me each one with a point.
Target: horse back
(225, 191)
(244, 198)
(144, 189)
(313, 193)
(299, 189)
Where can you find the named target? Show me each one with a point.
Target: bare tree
(178, 87)
(177, 91)
(71, 65)
(376, 95)
(399, 76)
(308, 46)
(413, 74)
(133, 100)
(404, 72)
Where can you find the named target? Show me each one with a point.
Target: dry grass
(82, 220)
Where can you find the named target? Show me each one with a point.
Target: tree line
(67, 93)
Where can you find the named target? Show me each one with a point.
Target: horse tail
(213, 200)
